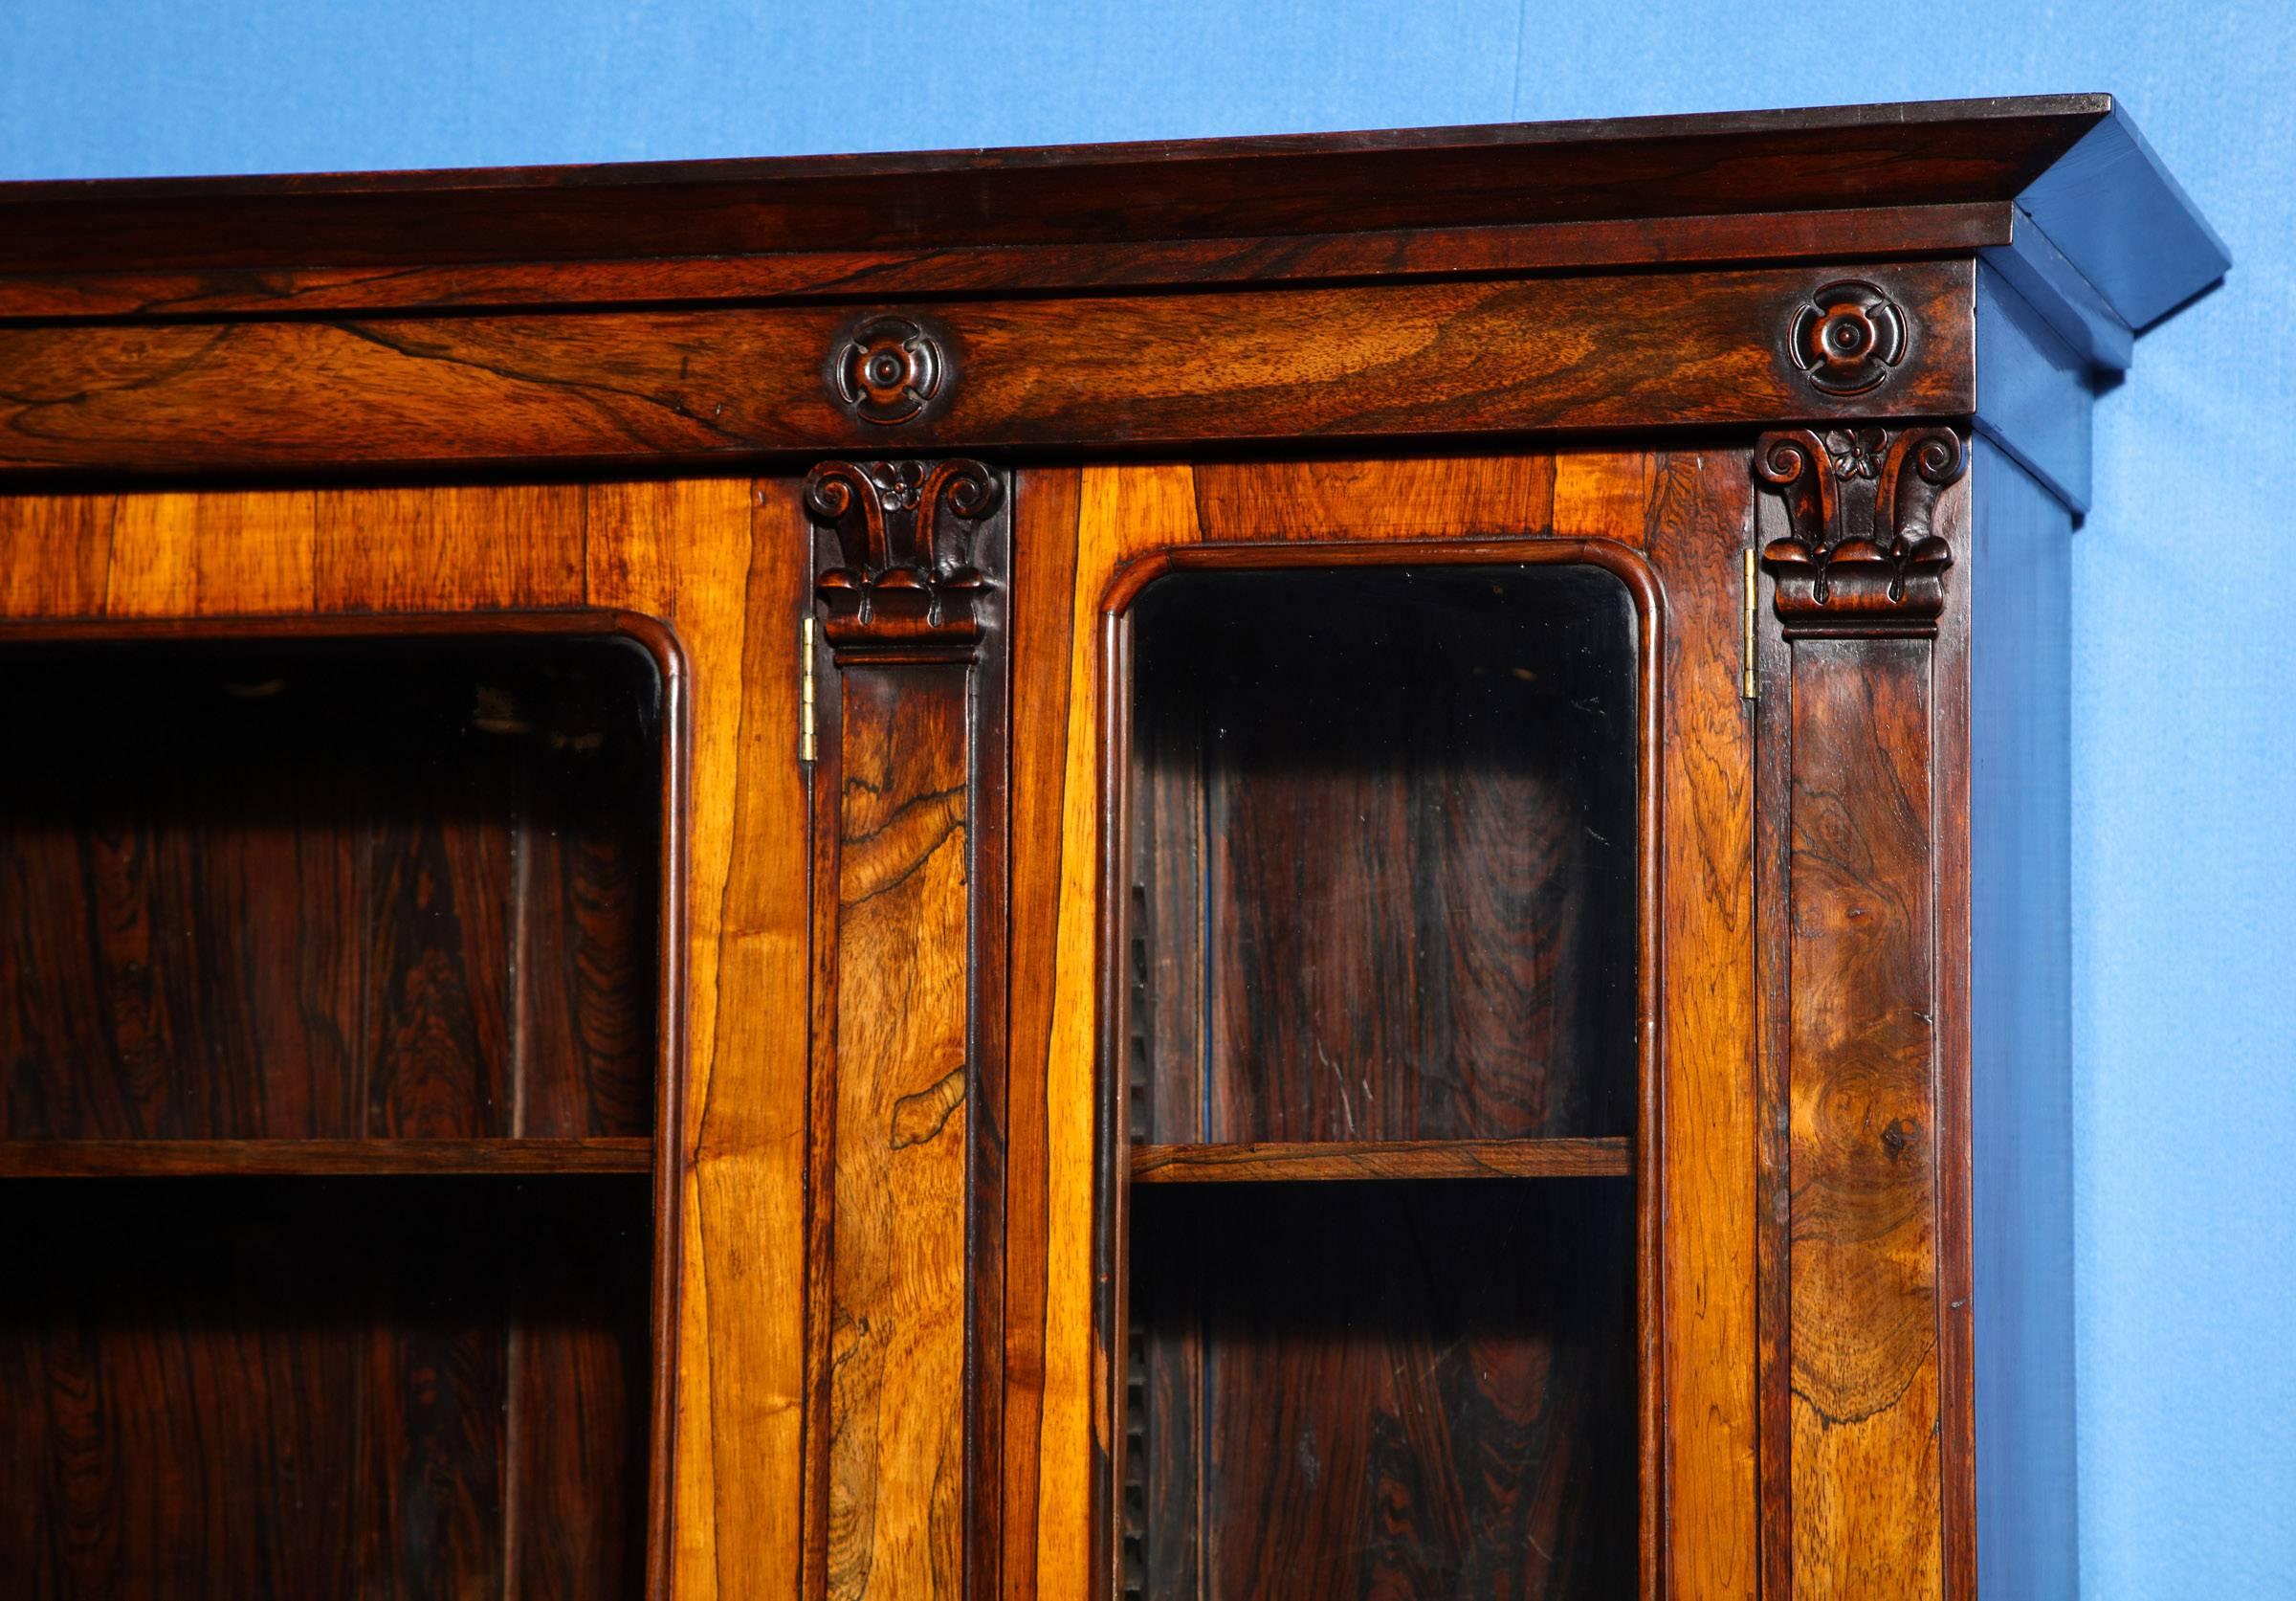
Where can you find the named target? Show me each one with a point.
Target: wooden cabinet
(1288, 868)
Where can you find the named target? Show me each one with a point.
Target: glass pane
(1381, 1389)
(1383, 848)
(348, 888)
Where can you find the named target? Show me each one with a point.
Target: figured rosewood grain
(146, 1158)
(1046, 505)
(554, 1451)
(299, 1387)
(1699, 521)
(1367, 1390)
(1246, 208)
(897, 1222)
(692, 386)
(910, 563)
(57, 553)
(1403, 830)
(220, 555)
(1826, 233)
(1967, 842)
(382, 563)
(1861, 1265)
(1383, 1159)
(1132, 522)
(582, 1019)
(724, 564)
(309, 891)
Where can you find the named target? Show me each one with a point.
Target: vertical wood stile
(911, 566)
(1855, 1385)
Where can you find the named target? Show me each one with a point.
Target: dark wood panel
(306, 1387)
(587, 892)
(1882, 156)
(434, 935)
(432, 1437)
(576, 1437)
(721, 561)
(1045, 511)
(1383, 1159)
(1385, 833)
(189, 1158)
(1419, 1393)
(696, 387)
(312, 891)
(1703, 1115)
(891, 1510)
(1862, 1259)
(910, 570)
(1836, 234)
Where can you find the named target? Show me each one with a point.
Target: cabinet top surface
(1631, 191)
(1961, 150)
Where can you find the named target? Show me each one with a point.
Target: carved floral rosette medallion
(1861, 554)
(889, 369)
(903, 578)
(1848, 337)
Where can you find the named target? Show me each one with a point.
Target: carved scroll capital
(902, 579)
(1861, 555)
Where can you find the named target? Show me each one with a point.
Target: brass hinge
(806, 652)
(1746, 685)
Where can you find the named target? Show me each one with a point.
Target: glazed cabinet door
(404, 1110)
(1375, 1204)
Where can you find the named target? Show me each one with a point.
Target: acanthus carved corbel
(904, 579)
(1861, 554)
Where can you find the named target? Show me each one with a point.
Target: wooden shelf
(1383, 1159)
(275, 1158)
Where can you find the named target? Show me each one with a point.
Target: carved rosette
(1848, 337)
(890, 369)
(1861, 555)
(903, 580)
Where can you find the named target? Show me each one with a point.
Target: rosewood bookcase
(1284, 868)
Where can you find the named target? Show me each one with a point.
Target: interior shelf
(287, 1158)
(1608, 1157)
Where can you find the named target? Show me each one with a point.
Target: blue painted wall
(2184, 738)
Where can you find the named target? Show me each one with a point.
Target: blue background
(2184, 842)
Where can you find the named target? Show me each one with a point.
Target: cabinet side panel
(1860, 1046)
(2021, 1045)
